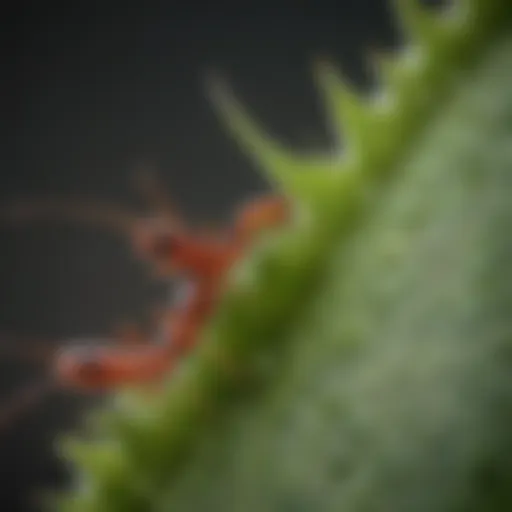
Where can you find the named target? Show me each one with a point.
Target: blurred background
(91, 92)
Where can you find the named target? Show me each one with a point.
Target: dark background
(88, 92)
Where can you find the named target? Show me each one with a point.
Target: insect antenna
(76, 210)
(25, 400)
(148, 184)
(30, 350)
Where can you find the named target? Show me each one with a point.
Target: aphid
(172, 248)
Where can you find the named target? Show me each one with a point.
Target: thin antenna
(27, 349)
(96, 213)
(24, 400)
(147, 183)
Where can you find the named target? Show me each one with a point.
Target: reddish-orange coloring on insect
(203, 260)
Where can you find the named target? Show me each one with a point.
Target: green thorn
(276, 162)
(385, 66)
(302, 177)
(345, 106)
(422, 25)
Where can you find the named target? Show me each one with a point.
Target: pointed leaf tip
(420, 22)
(217, 86)
(275, 161)
(233, 113)
(282, 167)
(344, 105)
(323, 67)
(220, 93)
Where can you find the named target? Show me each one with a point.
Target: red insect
(170, 247)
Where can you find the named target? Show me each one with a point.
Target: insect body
(107, 367)
(202, 259)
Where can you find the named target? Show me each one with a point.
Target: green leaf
(372, 337)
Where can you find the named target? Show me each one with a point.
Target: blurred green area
(382, 381)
